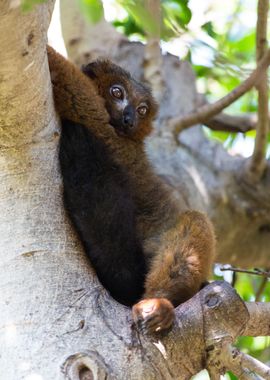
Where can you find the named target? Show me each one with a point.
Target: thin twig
(232, 361)
(258, 160)
(243, 374)
(257, 272)
(206, 112)
(252, 364)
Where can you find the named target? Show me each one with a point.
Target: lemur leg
(182, 263)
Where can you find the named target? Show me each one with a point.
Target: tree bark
(81, 36)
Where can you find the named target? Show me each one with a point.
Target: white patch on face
(121, 104)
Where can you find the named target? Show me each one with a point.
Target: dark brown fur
(178, 246)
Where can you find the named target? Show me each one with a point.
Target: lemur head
(129, 103)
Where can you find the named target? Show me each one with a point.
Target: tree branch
(32, 108)
(220, 355)
(252, 364)
(232, 123)
(208, 111)
(86, 41)
(152, 52)
(236, 366)
(258, 323)
(258, 160)
(228, 123)
(223, 357)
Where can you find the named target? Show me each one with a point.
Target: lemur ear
(90, 70)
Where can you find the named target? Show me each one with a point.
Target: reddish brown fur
(104, 74)
(183, 243)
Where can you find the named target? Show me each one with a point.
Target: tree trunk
(52, 306)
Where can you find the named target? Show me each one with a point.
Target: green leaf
(142, 17)
(242, 49)
(266, 292)
(177, 11)
(202, 71)
(209, 28)
(250, 134)
(244, 287)
(128, 26)
(232, 376)
(219, 135)
(175, 15)
(93, 10)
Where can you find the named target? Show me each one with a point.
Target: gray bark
(81, 37)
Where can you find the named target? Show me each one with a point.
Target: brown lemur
(145, 250)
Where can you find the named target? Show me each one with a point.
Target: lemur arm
(76, 97)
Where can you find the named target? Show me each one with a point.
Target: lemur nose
(128, 120)
(128, 117)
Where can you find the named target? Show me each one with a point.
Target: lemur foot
(153, 315)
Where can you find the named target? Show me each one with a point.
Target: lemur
(146, 251)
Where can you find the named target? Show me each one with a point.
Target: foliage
(232, 60)
(175, 15)
(92, 9)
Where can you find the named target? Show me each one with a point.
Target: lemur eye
(142, 110)
(116, 92)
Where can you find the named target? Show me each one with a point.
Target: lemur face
(129, 103)
(127, 107)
